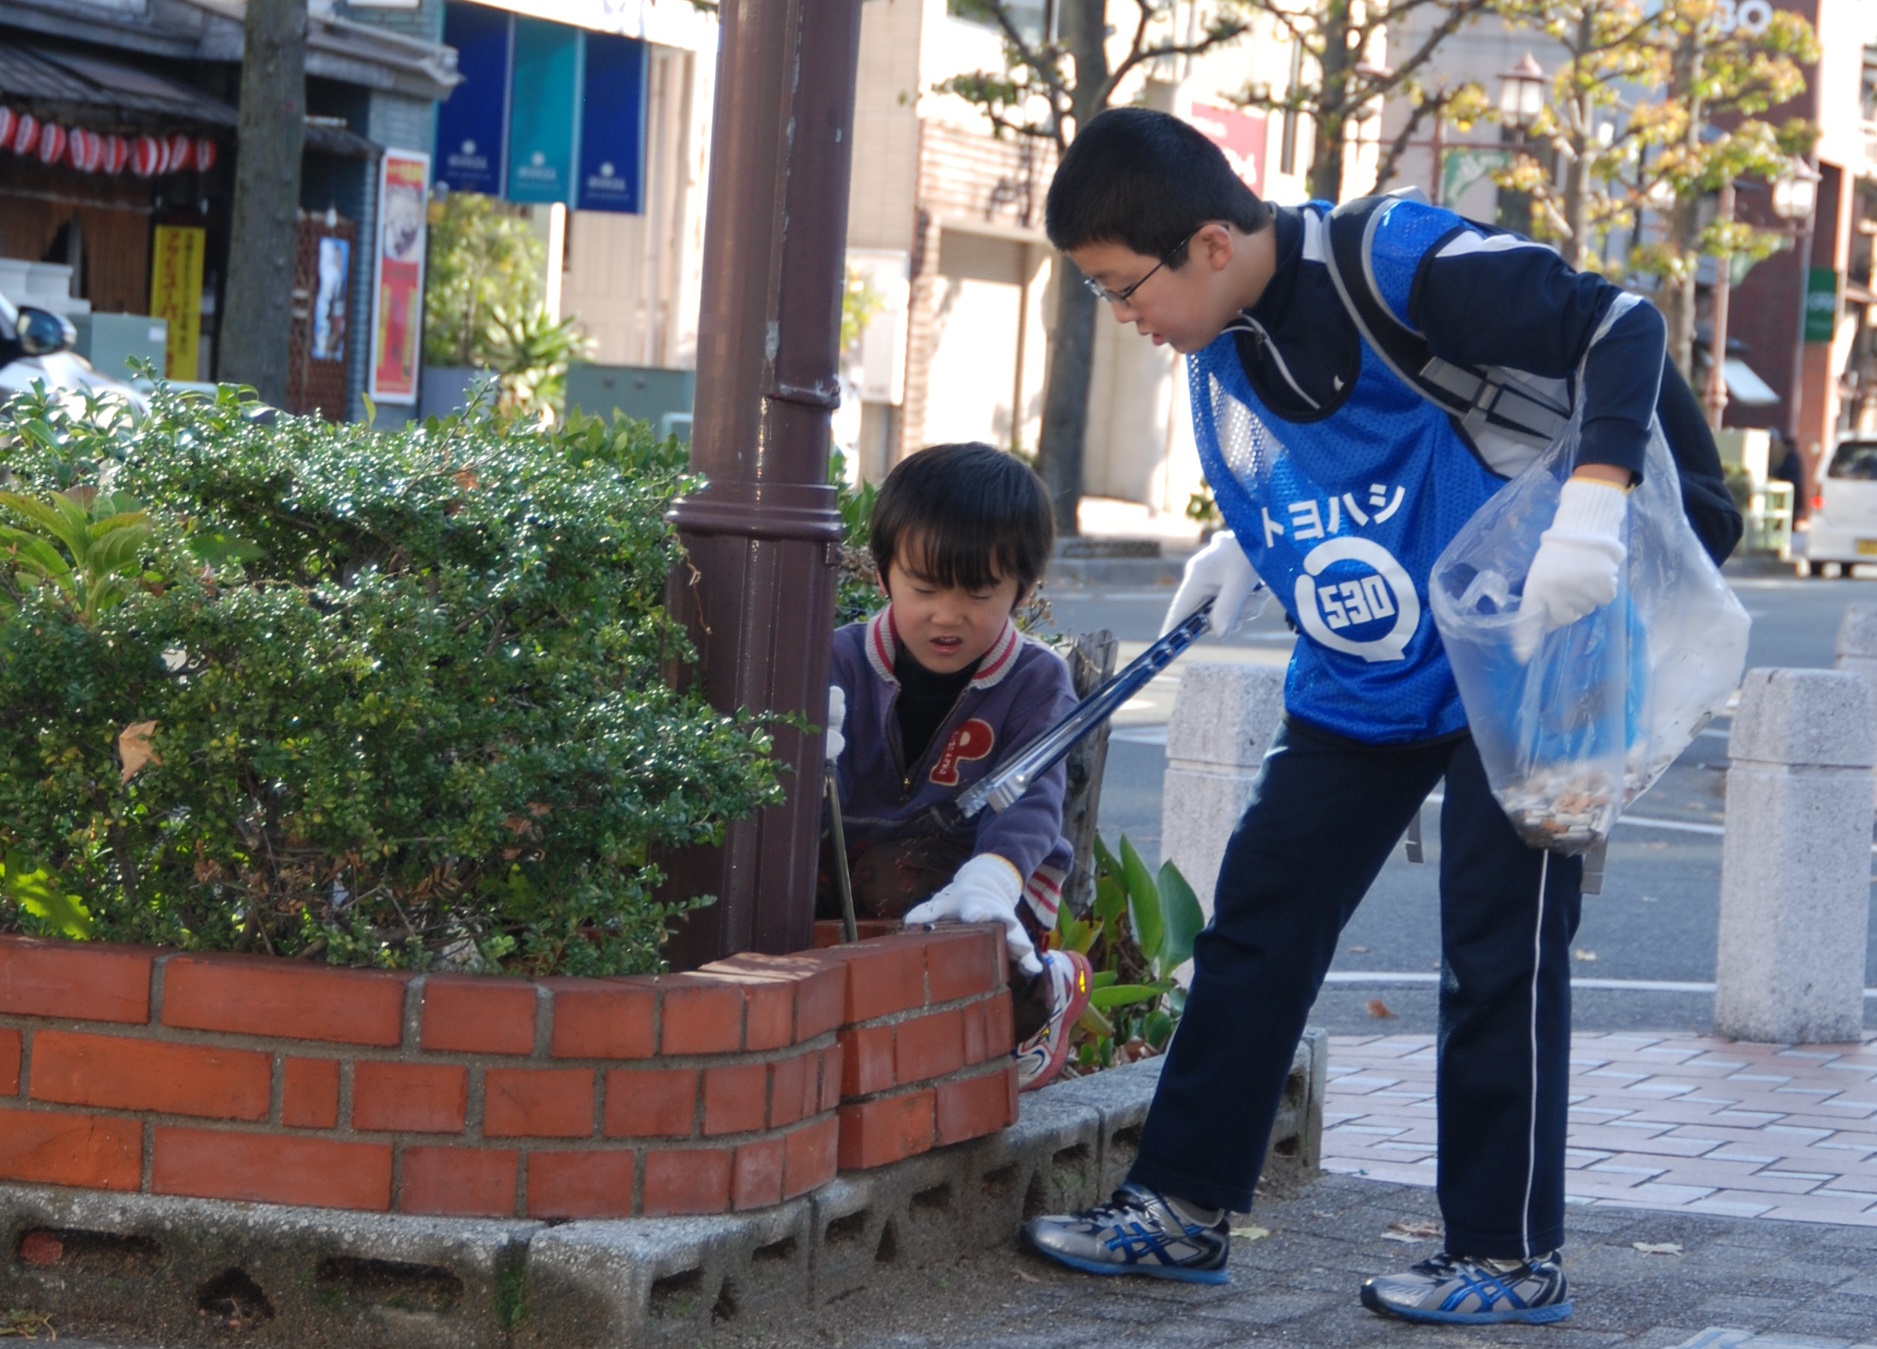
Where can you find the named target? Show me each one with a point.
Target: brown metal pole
(762, 537)
(1715, 397)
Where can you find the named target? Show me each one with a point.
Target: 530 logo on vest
(1353, 596)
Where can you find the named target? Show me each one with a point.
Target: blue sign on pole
(543, 112)
(472, 124)
(612, 126)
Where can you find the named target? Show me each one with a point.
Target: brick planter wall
(735, 1087)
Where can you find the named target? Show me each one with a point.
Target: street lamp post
(1521, 100)
(1794, 194)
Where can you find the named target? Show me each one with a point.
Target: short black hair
(974, 513)
(1145, 180)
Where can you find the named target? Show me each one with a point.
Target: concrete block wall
(131, 1069)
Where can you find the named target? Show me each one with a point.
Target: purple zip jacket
(1020, 690)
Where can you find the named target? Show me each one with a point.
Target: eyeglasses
(1101, 292)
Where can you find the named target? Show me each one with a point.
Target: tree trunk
(1685, 219)
(1060, 446)
(257, 313)
(1065, 400)
(1332, 118)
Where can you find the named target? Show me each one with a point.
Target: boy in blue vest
(1341, 483)
(934, 693)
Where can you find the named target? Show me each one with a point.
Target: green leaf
(1124, 995)
(1157, 1029)
(36, 892)
(1103, 978)
(1184, 918)
(1150, 928)
(1111, 897)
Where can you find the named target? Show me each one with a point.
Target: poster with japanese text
(176, 295)
(398, 309)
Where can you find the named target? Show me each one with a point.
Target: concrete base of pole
(1223, 722)
(1796, 859)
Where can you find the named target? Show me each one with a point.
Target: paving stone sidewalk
(1684, 1122)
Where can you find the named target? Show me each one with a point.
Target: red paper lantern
(147, 156)
(52, 138)
(8, 120)
(25, 134)
(116, 154)
(206, 151)
(181, 153)
(86, 150)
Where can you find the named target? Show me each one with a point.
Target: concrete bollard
(1223, 722)
(1796, 859)
(1857, 650)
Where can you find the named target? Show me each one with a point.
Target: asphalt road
(1654, 925)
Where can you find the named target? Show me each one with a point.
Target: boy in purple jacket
(935, 691)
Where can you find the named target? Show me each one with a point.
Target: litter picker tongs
(1002, 789)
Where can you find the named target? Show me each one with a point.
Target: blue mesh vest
(1343, 518)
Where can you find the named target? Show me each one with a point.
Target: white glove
(1219, 572)
(987, 889)
(1577, 564)
(837, 716)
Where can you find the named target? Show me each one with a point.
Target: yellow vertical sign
(176, 295)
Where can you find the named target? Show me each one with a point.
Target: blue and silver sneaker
(1455, 1290)
(1135, 1232)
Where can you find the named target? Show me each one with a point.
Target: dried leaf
(1251, 1233)
(133, 748)
(1658, 1247)
(1024, 1274)
(466, 479)
(1379, 1010)
(1412, 1232)
(1588, 957)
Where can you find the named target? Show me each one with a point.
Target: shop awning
(49, 76)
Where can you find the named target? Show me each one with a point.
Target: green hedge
(403, 695)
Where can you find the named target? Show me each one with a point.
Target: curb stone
(187, 1270)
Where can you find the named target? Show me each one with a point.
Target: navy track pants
(1322, 819)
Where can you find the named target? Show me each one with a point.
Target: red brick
(810, 1156)
(999, 1032)
(889, 1129)
(686, 1180)
(928, 1047)
(130, 1074)
(964, 962)
(9, 1063)
(604, 1018)
(829, 931)
(756, 1175)
(467, 1014)
(831, 1071)
(82, 981)
(309, 1097)
(769, 988)
(459, 1182)
(272, 1168)
(651, 1102)
(260, 995)
(51, 1147)
(972, 1107)
(581, 1184)
(735, 1098)
(537, 1103)
(977, 1032)
(820, 1001)
(701, 1015)
(794, 1089)
(419, 1098)
(866, 1060)
(884, 976)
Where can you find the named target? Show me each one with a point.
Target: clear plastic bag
(1607, 703)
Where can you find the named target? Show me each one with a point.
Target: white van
(1843, 523)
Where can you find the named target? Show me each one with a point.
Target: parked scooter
(36, 348)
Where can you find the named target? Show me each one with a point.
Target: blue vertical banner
(544, 111)
(472, 124)
(612, 126)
